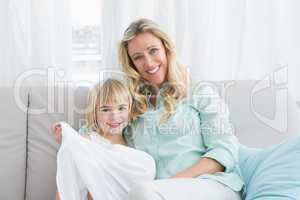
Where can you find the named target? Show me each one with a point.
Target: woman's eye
(137, 58)
(153, 51)
(104, 110)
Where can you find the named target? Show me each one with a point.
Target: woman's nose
(148, 61)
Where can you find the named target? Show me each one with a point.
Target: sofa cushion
(13, 110)
(272, 173)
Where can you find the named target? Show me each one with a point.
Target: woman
(184, 126)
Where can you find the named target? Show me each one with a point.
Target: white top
(106, 170)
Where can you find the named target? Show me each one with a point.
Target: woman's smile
(153, 70)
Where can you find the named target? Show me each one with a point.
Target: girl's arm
(57, 196)
(203, 166)
(56, 129)
(89, 197)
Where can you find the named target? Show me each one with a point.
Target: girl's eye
(104, 110)
(122, 108)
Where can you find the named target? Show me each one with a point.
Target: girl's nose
(115, 114)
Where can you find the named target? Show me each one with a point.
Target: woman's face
(112, 118)
(148, 54)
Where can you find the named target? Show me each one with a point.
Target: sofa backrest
(261, 115)
(46, 106)
(13, 128)
(262, 112)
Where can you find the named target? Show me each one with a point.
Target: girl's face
(112, 118)
(148, 54)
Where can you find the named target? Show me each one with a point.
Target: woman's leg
(183, 189)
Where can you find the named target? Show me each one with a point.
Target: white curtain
(217, 39)
(35, 35)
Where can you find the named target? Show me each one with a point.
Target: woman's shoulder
(203, 88)
(128, 135)
(203, 93)
(86, 132)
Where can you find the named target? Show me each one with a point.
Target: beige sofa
(262, 114)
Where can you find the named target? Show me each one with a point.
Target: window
(86, 39)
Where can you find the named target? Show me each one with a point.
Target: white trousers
(106, 170)
(183, 189)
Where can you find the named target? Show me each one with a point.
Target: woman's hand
(203, 166)
(56, 129)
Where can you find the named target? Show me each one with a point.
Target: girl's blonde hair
(109, 91)
(178, 78)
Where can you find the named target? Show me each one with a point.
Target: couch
(262, 112)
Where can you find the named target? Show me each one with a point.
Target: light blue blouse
(200, 127)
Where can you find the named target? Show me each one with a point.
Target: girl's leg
(183, 189)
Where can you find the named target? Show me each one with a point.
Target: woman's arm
(217, 135)
(203, 166)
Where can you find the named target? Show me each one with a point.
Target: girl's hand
(56, 129)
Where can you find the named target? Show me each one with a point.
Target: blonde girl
(100, 165)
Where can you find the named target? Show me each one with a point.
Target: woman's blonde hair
(178, 78)
(109, 91)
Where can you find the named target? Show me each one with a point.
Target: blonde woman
(100, 165)
(183, 125)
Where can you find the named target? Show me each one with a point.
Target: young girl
(99, 165)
